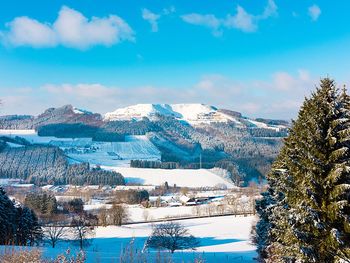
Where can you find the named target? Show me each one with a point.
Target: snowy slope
(94, 152)
(81, 111)
(139, 111)
(191, 113)
(180, 177)
(264, 125)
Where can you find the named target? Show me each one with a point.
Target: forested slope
(49, 165)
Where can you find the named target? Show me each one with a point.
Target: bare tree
(145, 215)
(54, 233)
(197, 210)
(103, 217)
(83, 227)
(172, 236)
(118, 214)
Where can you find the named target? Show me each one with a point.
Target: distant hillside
(65, 114)
(49, 165)
(184, 133)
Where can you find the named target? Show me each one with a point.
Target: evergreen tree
(7, 219)
(18, 225)
(305, 215)
(28, 231)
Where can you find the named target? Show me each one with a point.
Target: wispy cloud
(71, 29)
(314, 12)
(241, 20)
(169, 10)
(209, 21)
(152, 18)
(270, 10)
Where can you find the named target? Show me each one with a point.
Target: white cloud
(241, 20)
(250, 107)
(152, 18)
(209, 21)
(286, 82)
(71, 29)
(278, 97)
(314, 12)
(283, 81)
(27, 31)
(81, 91)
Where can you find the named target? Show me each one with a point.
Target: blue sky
(260, 58)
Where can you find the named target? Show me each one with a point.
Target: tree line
(79, 130)
(40, 164)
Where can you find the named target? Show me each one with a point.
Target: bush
(131, 196)
(42, 203)
(12, 255)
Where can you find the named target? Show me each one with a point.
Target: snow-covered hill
(194, 114)
(191, 113)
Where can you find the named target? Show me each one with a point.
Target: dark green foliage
(79, 130)
(67, 130)
(74, 206)
(42, 203)
(80, 174)
(2, 145)
(304, 217)
(16, 139)
(154, 164)
(8, 215)
(28, 231)
(18, 225)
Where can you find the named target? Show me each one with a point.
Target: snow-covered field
(138, 213)
(180, 177)
(96, 153)
(119, 153)
(222, 239)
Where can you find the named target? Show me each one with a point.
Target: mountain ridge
(183, 133)
(192, 113)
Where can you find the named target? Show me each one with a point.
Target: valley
(156, 162)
